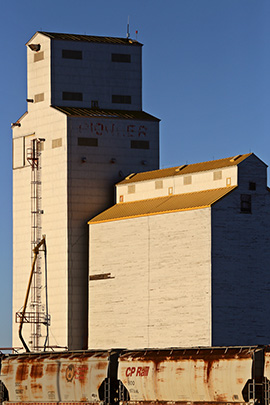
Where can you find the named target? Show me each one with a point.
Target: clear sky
(206, 67)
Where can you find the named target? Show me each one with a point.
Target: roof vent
(178, 169)
(235, 158)
(130, 176)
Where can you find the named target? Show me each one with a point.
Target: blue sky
(206, 67)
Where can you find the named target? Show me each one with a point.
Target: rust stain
(36, 370)
(240, 380)
(205, 354)
(220, 398)
(207, 368)
(101, 365)
(36, 388)
(51, 369)
(179, 370)
(21, 372)
(7, 369)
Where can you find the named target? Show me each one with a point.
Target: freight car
(220, 375)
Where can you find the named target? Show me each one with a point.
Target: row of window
(74, 96)
(74, 54)
(116, 98)
(56, 143)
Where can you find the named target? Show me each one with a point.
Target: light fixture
(30, 100)
(15, 124)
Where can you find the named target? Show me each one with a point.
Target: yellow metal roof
(97, 113)
(185, 169)
(90, 38)
(162, 205)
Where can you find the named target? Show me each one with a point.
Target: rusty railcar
(221, 375)
(225, 375)
(68, 377)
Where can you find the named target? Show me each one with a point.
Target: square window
(217, 175)
(131, 189)
(187, 180)
(252, 185)
(158, 184)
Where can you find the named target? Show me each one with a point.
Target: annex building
(182, 258)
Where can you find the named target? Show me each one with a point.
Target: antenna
(128, 34)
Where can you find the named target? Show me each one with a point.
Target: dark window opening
(87, 142)
(121, 57)
(71, 96)
(246, 203)
(94, 104)
(139, 144)
(121, 99)
(71, 54)
(252, 185)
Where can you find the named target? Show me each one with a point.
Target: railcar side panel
(200, 375)
(61, 377)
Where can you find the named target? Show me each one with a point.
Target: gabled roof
(162, 205)
(186, 169)
(88, 38)
(97, 113)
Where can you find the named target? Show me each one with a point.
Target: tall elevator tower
(84, 97)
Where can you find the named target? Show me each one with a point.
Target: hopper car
(217, 376)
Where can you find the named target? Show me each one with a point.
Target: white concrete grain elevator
(85, 117)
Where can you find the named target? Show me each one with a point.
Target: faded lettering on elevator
(127, 130)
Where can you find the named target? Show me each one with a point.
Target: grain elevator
(84, 131)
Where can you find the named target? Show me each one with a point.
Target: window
(131, 189)
(187, 180)
(94, 104)
(119, 99)
(56, 143)
(139, 144)
(228, 181)
(246, 203)
(71, 96)
(217, 175)
(38, 56)
(121, 57)
(170, 190)
(71, 54)
(158, 184)
(87, 142)
(121, 198)
(39, 97)
(252, 186)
